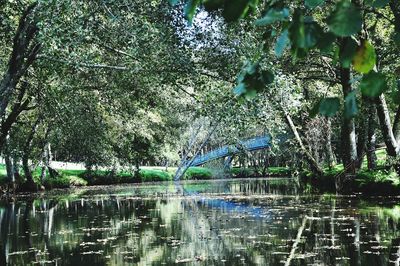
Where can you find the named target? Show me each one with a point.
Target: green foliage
(350, 105)
(329, 106)
(59, 182)
(64, 181)
(313, 3)
(347, 52)
(252, 79)
(235, 9)
(190, 9)
(325, 42)
(273, 15)
(198, 173)
(155, 175)
(345, 20)
(3, 171)
(377, 3)
(365, 58)
(281, 43)
(279, 171)
(373, 84)
(232, 10)
(379, 176)
(211, 5)
(3, 180)
(303, 33)
(238, 172)
(173, 2)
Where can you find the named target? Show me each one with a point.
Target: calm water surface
(231, 222)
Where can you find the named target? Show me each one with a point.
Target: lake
(231, 222)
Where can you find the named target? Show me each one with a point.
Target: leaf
(211, 5)
(350, 105)
(396, 37)
(303, 32)
(240, 89)
(173, 2)
(311, 34)
(313, 3)
(273, 15)
(377, 3)
(347, 52)
(297, 31)
(325, 41)
(267, 77)
(235, 9)
(329, 106)
(345, 20)
(373, 84)
(190, 9)
(251, 94)
(315, 110)
(252, 80)
(281, 43)
(365, 58)
(396, 93)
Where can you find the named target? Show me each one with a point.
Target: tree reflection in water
(263, 222)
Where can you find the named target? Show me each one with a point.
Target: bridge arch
(257, 143)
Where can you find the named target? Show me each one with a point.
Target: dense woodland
(121, 83)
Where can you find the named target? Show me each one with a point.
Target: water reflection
(252, 222)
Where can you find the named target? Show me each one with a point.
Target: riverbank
(383, 180)
(76, 178)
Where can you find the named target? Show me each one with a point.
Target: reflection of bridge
(257, 143)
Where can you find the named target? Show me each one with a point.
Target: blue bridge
(257, 143)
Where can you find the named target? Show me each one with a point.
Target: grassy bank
(71, 178)
(383, 180)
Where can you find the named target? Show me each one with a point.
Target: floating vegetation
(208, 226)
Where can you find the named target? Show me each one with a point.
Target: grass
(69, 178)
(271, 171)
(64, 181)
(279, 171)
(198, 173)
(149, 175)
(383, 180)
(3, 171)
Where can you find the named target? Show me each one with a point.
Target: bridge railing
(256, 143)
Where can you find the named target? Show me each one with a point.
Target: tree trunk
(395, 7)
(136, 172)
(396, 125)
(30, 183)
(16, 169)
(9, 162)
(349, 144)
(371, 141)
(20, 105)
(386, 126)
(23, 54)
(307, 155)
(46, 159)
(362, 132)
(45, 163)
(329, 150)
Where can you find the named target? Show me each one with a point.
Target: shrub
(147, 175)
(198, 173)
(58, 182)
(64, 181)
